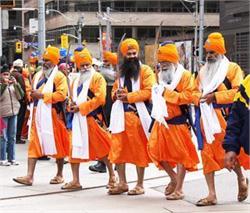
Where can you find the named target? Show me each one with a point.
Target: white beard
(166, 76)
(84, 76)
(210, 69)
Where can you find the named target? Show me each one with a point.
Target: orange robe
(213, 154)
(130, 146)
(174, 145)
(60, 131)
(99, 139)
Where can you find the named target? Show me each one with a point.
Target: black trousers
(20, 119)
(107, 107)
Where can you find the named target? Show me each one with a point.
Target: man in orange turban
(89, 139)
(170, 142)
(215, 88)
(108, 72)
(47, 134)
(130, 118)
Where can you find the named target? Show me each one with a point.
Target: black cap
(5, 68)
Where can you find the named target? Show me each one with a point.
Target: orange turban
(110, 57)
(128, 44)
(168, 53)
(216, 43)
(53, 54)
(83, 56)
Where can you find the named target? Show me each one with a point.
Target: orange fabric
(130, 146)
(213, 154)
(60, 131)
(53, 54)
(174, 145)
(110, 57)
(99, 139)
(25, 127)
(168, 53)
(83, 57)
(216, 43)
(128, 44)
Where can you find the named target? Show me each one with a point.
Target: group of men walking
(148, 120)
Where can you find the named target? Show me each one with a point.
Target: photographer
(11, 93)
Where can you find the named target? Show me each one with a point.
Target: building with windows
(138, 19)
(234, 24)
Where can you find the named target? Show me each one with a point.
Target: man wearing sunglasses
(130, 119)
(215, 88)
(48, 133)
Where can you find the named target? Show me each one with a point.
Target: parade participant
(130, 118)
(64, 68)
(215, 88)
(48, 132)
(108, 72)
(237, 131)
(170, 142)
(89, 139)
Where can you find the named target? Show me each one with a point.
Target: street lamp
(80, 23)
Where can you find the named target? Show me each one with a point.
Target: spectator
(11, 93)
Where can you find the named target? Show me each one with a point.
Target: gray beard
(84, 76)
(167, 75)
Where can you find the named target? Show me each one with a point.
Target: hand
(210, 98)
(122, 95)
(36, 95)
(12, 80)
(74, 108)
(230, 160)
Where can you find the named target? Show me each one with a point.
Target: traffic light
(64, 41)
(18, 47)
(7, 4)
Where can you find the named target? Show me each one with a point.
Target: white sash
(44, 122)
(29, 123)
(160, 110)
(210, 120)
(80, 136)
(117, 118)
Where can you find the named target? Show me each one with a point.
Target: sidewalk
(43, 197)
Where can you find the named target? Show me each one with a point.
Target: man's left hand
(36, 95)
(123, 97)
(210, 98)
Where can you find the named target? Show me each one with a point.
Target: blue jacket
(237, 131)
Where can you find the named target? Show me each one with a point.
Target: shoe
(14, 163)
(4, 163)
(98, 167)
(71, 186)
(44, 158)
(20, 141)
(23, 180)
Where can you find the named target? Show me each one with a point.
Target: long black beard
(130, 68)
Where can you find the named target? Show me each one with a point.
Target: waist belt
(181, 119)
(129, 108)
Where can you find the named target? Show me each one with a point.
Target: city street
(43, 197)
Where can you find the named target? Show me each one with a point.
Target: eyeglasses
(131, 53)
(210, 52)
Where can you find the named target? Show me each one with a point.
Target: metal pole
(201, 30)
(80, 31)
(100, 29)
(1, 42)
(108, 30)
(41, 26)
(22, 31)
(195, 36)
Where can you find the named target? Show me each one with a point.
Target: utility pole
(100, 29)
(80, 25)
(195, 36)
(41, 26)
(201, 30)
(108, 30)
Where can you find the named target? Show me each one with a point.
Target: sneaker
(98, 167)
(20, 141)
(4, 163)
(14, 163)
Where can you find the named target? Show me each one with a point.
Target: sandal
(111, 183)
(71, 186)
(138, 190)
(175, 196)
(23, 180)
(206, 202)
(243, 192)
(118, 189)
(170, 188)
(56, 180)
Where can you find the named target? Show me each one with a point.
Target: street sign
(18, 47)
(33, 25)
(64, 41)
(7, 4)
